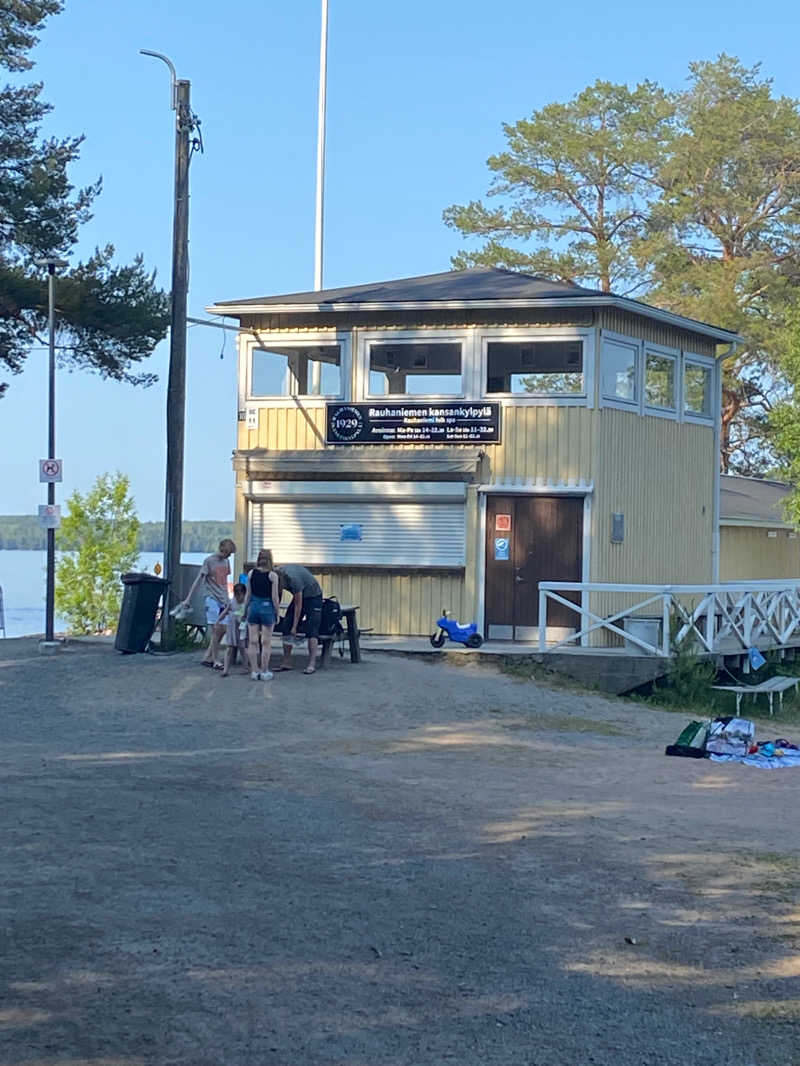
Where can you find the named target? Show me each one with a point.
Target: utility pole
(185, 124)
(52, 264)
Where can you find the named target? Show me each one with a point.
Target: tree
(577, 181)
(99, 536)
(110, 317)
(690, 200)
(724, 238)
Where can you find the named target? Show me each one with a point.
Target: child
(234, 615)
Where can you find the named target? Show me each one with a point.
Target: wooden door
(544, 543)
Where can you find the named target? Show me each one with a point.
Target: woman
(261, 611)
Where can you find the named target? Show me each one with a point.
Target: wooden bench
(777, 684)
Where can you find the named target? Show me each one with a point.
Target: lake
(23, 579)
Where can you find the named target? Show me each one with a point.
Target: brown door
(530, 539)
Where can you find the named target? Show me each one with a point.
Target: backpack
(691, 743)
(331, 621)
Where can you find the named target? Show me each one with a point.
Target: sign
(460, 422)
(351, 532)
(502, 523)
(501, 549)
(50, 470)
(49, 515)
(252, 418)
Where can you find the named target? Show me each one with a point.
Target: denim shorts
(261, 612)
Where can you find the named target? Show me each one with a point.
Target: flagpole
(319, 219)
(321, 119)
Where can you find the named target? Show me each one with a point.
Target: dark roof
(477, 286)
(753, 500)
(477, 283)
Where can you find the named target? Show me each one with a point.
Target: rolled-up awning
(459, 464)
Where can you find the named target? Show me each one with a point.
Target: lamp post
(52, 263)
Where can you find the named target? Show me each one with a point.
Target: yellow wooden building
(453, 440)
(758, 543)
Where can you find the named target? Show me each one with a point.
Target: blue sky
(417, 95)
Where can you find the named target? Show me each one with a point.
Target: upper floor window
(535, 368)
(698, 389)
(619, 370)
(416, 368)
(297, 370)
(660, 380)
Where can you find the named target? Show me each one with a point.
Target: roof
(752, 501)
(476, 287)
(477, 283)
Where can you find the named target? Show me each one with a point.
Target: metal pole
(321, 121)
(319, 216)
(176, 382)
(50, 594)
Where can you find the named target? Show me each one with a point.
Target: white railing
(714, 618)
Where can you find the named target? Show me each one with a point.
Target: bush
(99, 536)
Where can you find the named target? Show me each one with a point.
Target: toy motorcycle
(468, 635)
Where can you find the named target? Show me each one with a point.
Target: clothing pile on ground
(733, 740)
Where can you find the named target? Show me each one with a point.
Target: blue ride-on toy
(468, 635)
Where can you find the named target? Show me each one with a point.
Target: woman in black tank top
(261, 612)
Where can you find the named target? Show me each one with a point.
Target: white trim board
(498, 488)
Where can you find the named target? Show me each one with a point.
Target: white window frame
(265, 340)
(707, 362)
(532, 335)
(636, 404)
(464, 337)
(665, 353)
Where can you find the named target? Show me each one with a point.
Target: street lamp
(52, 263)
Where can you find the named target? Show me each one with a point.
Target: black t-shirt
(260, 584)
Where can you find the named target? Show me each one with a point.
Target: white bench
(777, 684)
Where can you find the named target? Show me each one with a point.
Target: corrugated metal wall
(650, 329)
(748, 554)
(547, 443)
(660, 475)
(397, 603)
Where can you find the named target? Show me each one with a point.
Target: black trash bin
(137, 617)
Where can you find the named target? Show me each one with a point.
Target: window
(535, 368)
(659, 381)
(415, 369)
(619, 370)
(697, 389)
(297, 370)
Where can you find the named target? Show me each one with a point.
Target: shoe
(255, 676)
(266, 675)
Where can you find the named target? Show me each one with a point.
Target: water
(23, 577)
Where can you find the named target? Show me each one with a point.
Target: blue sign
(501, 548)
(350, 532)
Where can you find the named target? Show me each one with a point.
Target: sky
(417, 95)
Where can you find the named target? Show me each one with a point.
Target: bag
(730, 736)
(330, 624)
(691, 744)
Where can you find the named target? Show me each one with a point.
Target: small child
(236, 627)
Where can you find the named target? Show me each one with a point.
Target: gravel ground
(393, 864)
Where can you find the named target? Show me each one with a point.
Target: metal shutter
(392, 534)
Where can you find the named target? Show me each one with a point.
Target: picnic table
(775, 685)
(353, 636)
